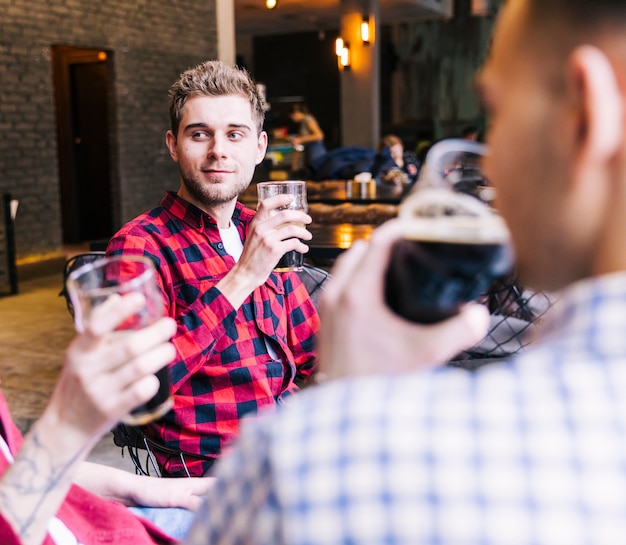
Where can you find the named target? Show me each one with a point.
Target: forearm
(238, 284)
(140, 490)
(305, 139)
(108, 482)
(35, 485)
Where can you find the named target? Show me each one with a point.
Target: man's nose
(218, 146)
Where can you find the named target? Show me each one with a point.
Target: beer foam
(444, 216)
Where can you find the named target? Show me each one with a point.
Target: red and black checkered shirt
(223, 372)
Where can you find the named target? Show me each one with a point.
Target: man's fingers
(291, 230)
(132, 344)
(265, 207)
(111, 351)
(446, 339)
(146, 364)
(112, 312)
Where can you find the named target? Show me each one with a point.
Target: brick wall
(152, 41)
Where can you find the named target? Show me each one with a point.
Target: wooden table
(329, 240)
(349, 191)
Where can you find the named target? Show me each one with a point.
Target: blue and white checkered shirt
(528, 452)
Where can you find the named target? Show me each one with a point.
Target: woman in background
(309, 137)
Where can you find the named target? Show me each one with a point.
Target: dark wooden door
(82, 90)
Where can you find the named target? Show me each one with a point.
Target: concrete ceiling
(292, 16)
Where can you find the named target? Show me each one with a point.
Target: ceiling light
(271, 4)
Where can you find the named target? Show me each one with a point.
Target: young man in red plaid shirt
(245, 334)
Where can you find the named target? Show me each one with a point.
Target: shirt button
(220, 246)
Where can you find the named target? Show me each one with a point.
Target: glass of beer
(92, 284)
(454, 243)
(293, 260)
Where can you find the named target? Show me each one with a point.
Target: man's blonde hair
(213, 79)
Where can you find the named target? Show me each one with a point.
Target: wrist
(56, 434)
(237, 285)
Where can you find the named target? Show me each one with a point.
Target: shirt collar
(589, 314)
(197, 218)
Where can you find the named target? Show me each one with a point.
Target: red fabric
(223, 371)
(93, 520)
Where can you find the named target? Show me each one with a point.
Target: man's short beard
(210, 195)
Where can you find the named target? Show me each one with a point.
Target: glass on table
(293, 260)
(92, 284)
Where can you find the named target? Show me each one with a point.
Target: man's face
(525, 163)
(217, 149)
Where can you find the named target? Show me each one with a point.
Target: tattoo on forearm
(35, 478)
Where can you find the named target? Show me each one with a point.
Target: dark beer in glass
(453, 247)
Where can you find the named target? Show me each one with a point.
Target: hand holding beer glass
(293, 260)
(454, 243)
(92, 284)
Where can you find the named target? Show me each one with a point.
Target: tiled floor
(35, 328)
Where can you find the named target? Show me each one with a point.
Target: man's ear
(261, 147)
(170, 141)
(599, 98)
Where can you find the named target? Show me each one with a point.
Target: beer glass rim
(73, 278)
(281, 182)
(432, 163)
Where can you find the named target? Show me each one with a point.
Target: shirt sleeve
(242, 506)
(7, 534)
(303, 327)
(203, 322)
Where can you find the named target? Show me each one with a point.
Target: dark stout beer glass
(454, 244)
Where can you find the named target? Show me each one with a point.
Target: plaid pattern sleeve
(224, 371)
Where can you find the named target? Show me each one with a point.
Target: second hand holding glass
(293, 260)
(92, 284)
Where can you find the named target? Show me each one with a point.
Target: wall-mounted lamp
(482, 7)
(338, 46)
(365, 30)
(344, 57)
(271, 4)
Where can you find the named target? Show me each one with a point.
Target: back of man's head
(577, 18)
(213, 79)
(583, 10)
(552, 29)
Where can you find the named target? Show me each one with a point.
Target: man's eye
(199, 134)
(235, 136)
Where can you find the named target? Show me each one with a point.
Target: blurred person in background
(393, 164)
(309, 138)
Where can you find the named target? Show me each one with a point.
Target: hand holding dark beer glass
(94, 283)
(454, 243)
(293, 260)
